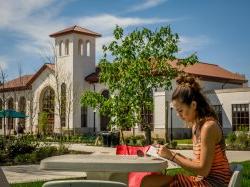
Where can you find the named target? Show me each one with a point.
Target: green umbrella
(11, 114)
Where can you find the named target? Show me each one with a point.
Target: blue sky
(218, 30)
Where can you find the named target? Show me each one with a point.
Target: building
(56, 90)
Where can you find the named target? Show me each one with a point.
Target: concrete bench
(3, 180)
(235, 180)
(83, 183)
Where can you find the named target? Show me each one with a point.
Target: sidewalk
(29, 173)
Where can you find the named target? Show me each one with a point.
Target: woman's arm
(210, 134)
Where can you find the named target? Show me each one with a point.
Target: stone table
(104, 167)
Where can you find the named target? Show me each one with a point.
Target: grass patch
(31, 184)
(184, 141)
(246, 173)
(40, 183)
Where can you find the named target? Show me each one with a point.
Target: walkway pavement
(29, 173)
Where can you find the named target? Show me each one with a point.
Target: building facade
(56, 89)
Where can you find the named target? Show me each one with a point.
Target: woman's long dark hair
(188, 90)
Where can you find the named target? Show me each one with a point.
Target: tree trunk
(122, 137)
(148, 135)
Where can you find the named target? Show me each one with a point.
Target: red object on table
(134, 178)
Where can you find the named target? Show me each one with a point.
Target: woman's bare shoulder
(211, 128)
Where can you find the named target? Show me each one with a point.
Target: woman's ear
(194, 105)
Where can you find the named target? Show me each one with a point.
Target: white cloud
(31, 21)
(12, 11)
(106, 23)
(193, 44)
(4, 61)
(146, 5)
(102, 41)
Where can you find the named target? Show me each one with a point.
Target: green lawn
(245, 177)
(184, 141)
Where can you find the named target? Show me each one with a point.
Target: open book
(152, 151)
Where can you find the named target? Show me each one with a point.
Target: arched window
(48, 106)
(63, 105)
(22, 108)
(80, 47)
(1, 108)
(10, 105)
(88, 48)
(60, 48)
(67, 47)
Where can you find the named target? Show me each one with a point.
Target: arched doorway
(47, 105)
(104, 119)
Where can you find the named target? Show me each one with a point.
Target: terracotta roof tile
(207, 70)
(75, 29)
(16, 84)
(45, 66)
(24, 82)
(202, 70)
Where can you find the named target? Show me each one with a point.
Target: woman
(210, 162)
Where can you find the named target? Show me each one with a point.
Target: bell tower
(75, 59)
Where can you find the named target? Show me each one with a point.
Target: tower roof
(75, 29)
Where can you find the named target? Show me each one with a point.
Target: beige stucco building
(58, 86)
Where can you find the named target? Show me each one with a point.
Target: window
(63, 104)
(84, 111)
(67, 47)
(88, 48)
(60, 48)
(48, 106)
(80, 47)
(218, 112)
(240, 116)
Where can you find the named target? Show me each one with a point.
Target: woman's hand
(165, 152)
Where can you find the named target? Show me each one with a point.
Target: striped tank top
(220, 172)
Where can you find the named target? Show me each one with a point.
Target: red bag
(134, 178)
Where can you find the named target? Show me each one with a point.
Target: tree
(43, 122)
(3, 77)
(32, 107)
(132, 67)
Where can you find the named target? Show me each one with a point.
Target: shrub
(231, 138)
(242, 140)
(159, 141)
(23, 158)
(138, 140)
(63, 149)
(43, 122)
(44, 152)
(19, 146)
(173, 144)
(3, 156)
(2, 145)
